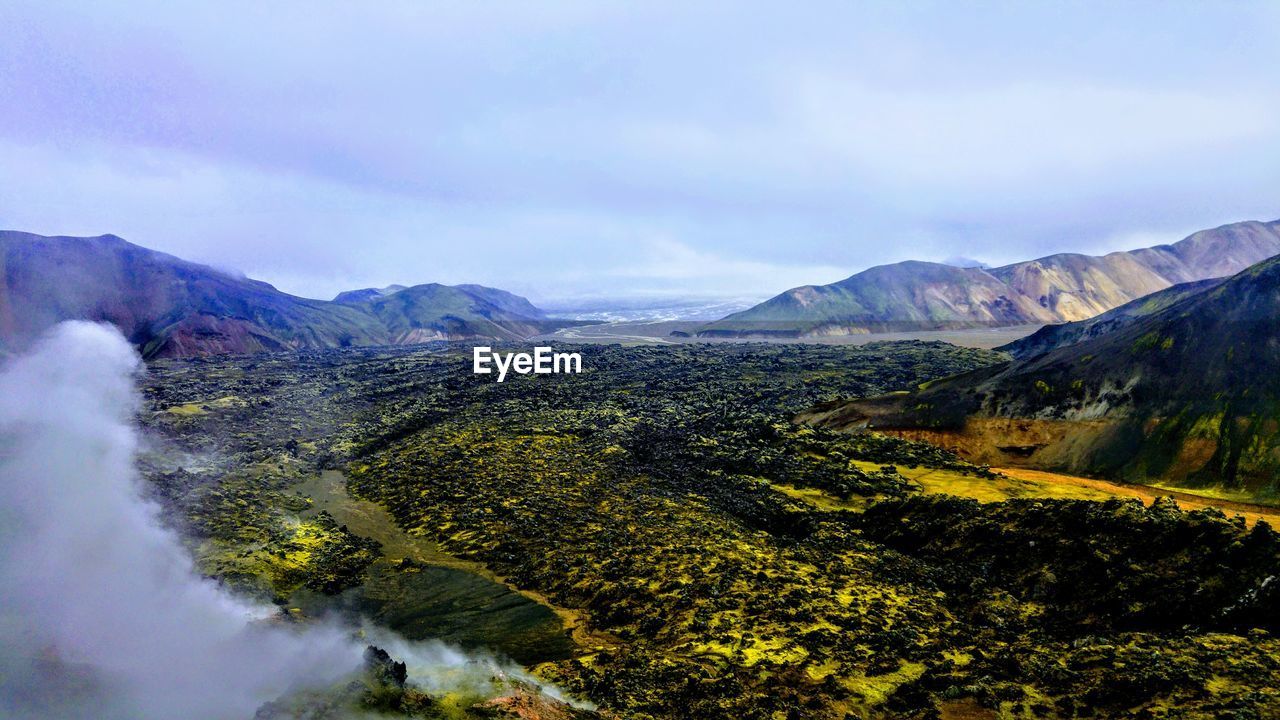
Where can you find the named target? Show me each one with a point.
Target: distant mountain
(170, 307)
(917, 295)
(439, 312)
(906, 295)
(487, 296)
(352, 297)
(1187, 394)
(504, 301)
(649, 309)
(965, 262)
(164, 305)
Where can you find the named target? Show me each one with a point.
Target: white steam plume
(88, 575)
(89, 579)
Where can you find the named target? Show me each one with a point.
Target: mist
(101, 612)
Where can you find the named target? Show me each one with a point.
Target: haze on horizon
(566, 149)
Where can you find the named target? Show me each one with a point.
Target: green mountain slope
(1058, 288)
(170, 307)
(439, 312)
(504, 301)
(1188, 395)
(354, 297)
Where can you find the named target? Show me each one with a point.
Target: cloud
(976, 140)
(667, 259)
(322, 148)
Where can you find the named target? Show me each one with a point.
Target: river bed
(424, 593)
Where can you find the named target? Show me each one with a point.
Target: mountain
(965, 262)
(910, 294)
(504, 301)
(169, 307)
(164, 305)
(353, 297)
(433, 309)
(1188, 394)
(1050, 337)
(440, 312)
(1060, 288)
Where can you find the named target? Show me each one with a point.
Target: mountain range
(169, 307)
(916, 295)
(1182, 388)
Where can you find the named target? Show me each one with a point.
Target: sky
(581, 149)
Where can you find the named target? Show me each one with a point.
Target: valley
(640, 361)
(937, 518)
(686, 331)
(656, 536)
(440, 596)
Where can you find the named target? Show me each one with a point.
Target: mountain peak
(170, 307)
(350, 297)
(1064, 287)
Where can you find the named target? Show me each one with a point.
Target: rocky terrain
(706, 557)
(917, 295)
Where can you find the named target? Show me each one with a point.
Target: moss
(877, 689)
(1152, 341)
(727, 563)
(203, 407)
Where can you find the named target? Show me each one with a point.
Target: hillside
(906, 295)
(441, 312)
(169, 307)
(354, 297)
(1188, 395)
(1060, 288)
(1050, 337)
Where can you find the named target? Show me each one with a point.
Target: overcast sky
(559, 149)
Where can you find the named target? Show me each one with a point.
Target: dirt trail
(1147, 494)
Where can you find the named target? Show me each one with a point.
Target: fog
(101, 612)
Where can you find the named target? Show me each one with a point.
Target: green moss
(726, 563)
(1152, 341)
(202, 407)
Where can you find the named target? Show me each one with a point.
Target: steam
(101, 614)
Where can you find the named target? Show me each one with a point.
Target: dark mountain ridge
(1051, 337)
(170, 307)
